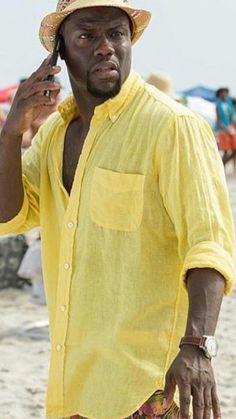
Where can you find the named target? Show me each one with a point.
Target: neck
(86, 103)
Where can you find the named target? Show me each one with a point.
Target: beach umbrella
(7, 92)
(202, 92)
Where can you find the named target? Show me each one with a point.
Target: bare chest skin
(74, 140)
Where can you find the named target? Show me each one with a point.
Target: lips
(105, 70)
(105, 66)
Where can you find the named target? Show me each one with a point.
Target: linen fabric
(152, 409)
(149, 202)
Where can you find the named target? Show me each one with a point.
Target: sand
(24, 352)
(24, 357)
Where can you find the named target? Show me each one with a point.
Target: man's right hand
(29, 99)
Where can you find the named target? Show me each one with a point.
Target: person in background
(137, 232)
(164, 83)
(226, 124)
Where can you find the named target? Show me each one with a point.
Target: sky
(192, 41)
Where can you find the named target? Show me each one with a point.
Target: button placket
(63, 294)
(66, 259)
(69, 231)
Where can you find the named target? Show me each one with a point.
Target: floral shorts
(152, 409)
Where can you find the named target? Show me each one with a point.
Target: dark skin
(72, 151)
(97, 46)
(191, 371)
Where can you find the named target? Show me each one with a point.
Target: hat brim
(50, 24)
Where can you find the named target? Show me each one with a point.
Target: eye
(117, 34)
(86, 36)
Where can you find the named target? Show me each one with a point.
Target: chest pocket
(117, 200)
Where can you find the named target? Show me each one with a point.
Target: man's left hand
(192, 372)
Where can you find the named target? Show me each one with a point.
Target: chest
(73, 144)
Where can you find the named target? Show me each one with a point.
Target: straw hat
(164, 83)
(50, 24)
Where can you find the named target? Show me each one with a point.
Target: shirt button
(59, 348)
(67, 266)
(63, 308)
(70, 225)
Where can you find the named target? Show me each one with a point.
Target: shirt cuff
(211, 255)
(15, 223)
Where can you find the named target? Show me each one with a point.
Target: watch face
(211, 346)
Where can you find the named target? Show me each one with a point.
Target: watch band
(207, 344)
(193, 340)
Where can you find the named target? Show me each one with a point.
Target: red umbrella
(6, 93)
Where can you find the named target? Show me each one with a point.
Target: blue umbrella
(200, 91)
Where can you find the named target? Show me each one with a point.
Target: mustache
(105, 63)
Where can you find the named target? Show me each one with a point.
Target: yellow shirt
(149, 201)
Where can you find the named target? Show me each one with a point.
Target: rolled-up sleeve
(28, 217)
(194, 190)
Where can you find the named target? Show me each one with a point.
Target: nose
(104, 47)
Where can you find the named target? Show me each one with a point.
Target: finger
(198, 403)
(184, 400)
(42, 73)
(35, 101)
(169, 391)
(46, 61)
(40, 87)
(37, 77)
(215, 404)
(207, 403)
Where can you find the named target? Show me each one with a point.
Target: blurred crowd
(20, 257)
(219, 111)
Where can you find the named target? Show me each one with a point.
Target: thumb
(169, 391)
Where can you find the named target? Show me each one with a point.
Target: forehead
(96, 16)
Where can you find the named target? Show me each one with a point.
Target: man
(129, 191)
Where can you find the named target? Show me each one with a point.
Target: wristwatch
(208, 344)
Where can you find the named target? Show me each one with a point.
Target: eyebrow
(90, 26)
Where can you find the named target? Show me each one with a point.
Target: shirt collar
(111, 108)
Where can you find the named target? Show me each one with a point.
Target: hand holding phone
(30, 97)
(53, 62)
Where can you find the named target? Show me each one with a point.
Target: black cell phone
(53, 62)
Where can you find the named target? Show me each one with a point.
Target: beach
(25, 349)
